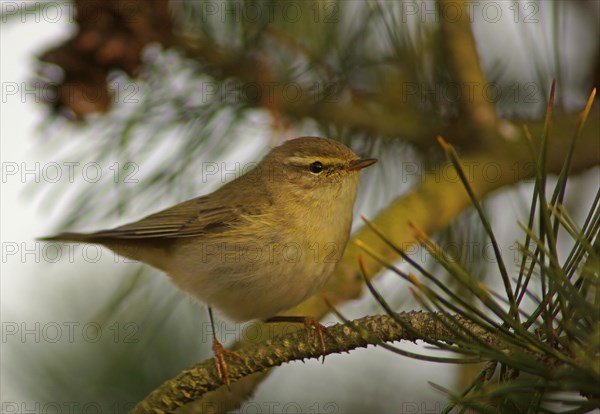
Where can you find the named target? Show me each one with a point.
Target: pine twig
(193, 383)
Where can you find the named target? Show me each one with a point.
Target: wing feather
(187, 219)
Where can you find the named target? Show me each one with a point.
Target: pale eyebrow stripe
(307, 159)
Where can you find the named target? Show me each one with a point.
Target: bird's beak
(360, 164)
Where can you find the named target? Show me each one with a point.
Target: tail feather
(72, 237)
(148, 251)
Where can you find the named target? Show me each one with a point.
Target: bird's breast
(277, 262)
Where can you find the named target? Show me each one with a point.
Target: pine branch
(465, 68)
(389, 110)
(193, 383)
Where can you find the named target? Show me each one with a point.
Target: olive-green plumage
(260, 244)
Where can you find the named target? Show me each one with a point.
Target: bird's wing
(187, 219)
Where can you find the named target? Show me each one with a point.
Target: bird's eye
(316, 167)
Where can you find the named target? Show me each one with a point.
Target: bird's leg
(309, 322)
(219, 353)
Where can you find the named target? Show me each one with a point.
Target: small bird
(260, 244)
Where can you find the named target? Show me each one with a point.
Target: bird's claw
(312, 323)
(219, 353)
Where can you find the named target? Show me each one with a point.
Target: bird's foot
(310, 324)
(219, 353)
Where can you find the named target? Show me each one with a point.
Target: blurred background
(113, 110)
